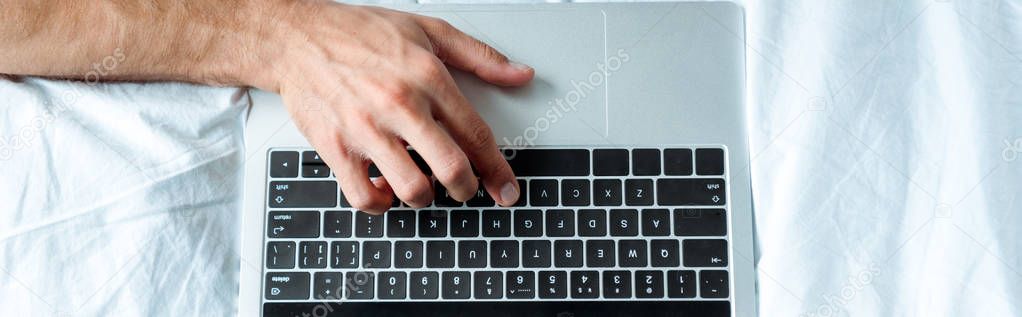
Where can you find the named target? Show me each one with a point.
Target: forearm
(210, 42)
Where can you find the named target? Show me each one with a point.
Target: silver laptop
(631, 151)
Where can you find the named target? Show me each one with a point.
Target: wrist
(254, 56)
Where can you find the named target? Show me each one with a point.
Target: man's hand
(377, 76)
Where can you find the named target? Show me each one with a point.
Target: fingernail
(508, 193)
(520, 66)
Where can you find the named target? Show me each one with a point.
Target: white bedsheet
(887, 172)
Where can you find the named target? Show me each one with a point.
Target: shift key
(690, 191)
(303, 194)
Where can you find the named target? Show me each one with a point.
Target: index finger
(476, 139)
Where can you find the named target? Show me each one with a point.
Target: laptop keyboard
(629, 224)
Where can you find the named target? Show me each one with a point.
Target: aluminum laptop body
(666, 77)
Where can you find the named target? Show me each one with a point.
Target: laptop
(631, 151)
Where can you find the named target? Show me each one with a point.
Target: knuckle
(431, 69)
(453, 168)
(415, 190)
(399, 94)
(488, 52)
(479, 136)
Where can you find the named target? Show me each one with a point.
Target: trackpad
(566, 103)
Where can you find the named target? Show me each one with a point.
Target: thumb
(464, 52)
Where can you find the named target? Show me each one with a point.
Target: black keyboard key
(690, 191)
(705, 252)
(284, 164)
(359, 285)
(287, 285)
(631, 253)
(624, 222)
(639, 192)
(523, 193)
(280, 255)
(457, 285)
(553, 284)
(376, 254)
(374, 171)
(313, 165)
(496, 223)
(610, 162)
(600, 253)
(678, 162)
(607, 192)
(315, 171)
(575, 192)
(713, 284)
(440, 254)
(472, 254)
(656, 222)
(664, 253)
(312, 254)
(528, 223)
(442, 199)
(543, 192)
(536, 253)
(488, 284)
(649, 284)
(293, 224)
(710, 161)
(592, 222)
(408, 254)
(465, 223)
(549, 162)
(560, 223)
(645, 162)
(392, 285)
(424, 285)
(681, 284)
(617, 284)
(307, 194)
(521, 285)
(368, 226)
(341, 201)
(492, 308)
(400, 223)
(311, 157)
(481, 198)
(433, 223)
(504, 254)
(585, 284)
(337, 224)
(344, 254)
(328, 285)
(568, 253)
(700, 222)
(420, 162)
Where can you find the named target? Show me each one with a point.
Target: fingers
(474, 137)
(449, 164)
(403, 176)
(353, 173)
(469, 54)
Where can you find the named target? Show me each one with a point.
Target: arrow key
(284, 164)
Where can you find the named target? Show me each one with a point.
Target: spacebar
(495, 309)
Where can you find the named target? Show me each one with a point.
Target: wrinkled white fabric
(119, 199)
(886, 159)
